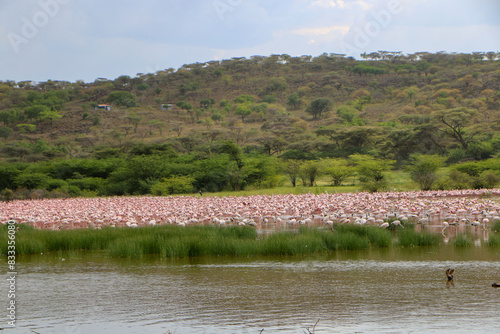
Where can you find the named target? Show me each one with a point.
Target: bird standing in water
(449, 273)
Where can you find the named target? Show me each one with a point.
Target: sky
(73, 40)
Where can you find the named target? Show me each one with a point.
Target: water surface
(378, 291)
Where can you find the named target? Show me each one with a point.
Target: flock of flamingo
(433, 208)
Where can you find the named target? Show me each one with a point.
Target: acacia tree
(338, 170)
(243, 111)
(294, 101)
(309, 172)
(292, 171)
(319, 107)
(455, 123)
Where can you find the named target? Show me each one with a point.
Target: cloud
(321, 31)
(345, 4)
(328, 3)
(94, 38)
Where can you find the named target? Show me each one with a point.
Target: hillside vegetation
(256, 122)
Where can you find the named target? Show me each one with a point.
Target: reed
(352, 241)
(289, 243)
(412, 238)
(462, 240)
(123, 248)
(376, 236)
(493, 240)
(496, 226)
(195, 241)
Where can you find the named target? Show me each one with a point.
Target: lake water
(378, 291)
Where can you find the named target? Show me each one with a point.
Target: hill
(388, 105)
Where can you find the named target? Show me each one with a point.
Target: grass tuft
(412, 238)
(462, 240)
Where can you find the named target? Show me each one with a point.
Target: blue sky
(87, 39)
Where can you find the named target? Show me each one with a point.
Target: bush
(489, 179)
(56, 184)
(122, 98)
(88, 183)
(173, 185)
(32, 181)
(459, 180)
(480, 151)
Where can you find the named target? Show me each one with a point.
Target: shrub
(459, 180)
(489, 179)
(32, 180)
(122, 98)
(173, 185)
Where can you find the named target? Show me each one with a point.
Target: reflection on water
(377, 291)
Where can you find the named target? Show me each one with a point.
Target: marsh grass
(463, 240)
(197, 241)
(289, 243)
(493, 240)
(412, 238)
(376, 236)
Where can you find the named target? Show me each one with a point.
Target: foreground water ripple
(375, 291)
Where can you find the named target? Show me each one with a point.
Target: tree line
(161, 170)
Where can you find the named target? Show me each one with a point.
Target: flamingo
(397, 223)
(445, 225)
(345, 208)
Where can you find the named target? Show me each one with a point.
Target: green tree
(243, 111)
(35, 111)
(338, 170)
(9, 116)
(185, 105)
(173, 185)
(122, 98)
(294, 101)
(489, 179)
(292, 171)
(371, 171)
(234, 151)
(8, 174)
(319, 107)
(275, 85)
(309, 172)
(423, 169)
(207, 103)
(5, 132)
(32, 180)
(349, 115)
(49, 115)
(23, 128)
(455, 122)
